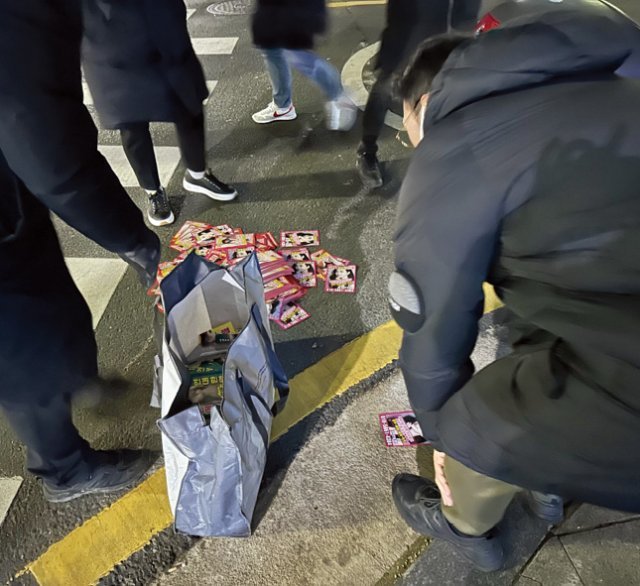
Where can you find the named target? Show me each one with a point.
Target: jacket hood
(532, 50)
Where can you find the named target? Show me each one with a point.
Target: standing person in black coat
(284, 30)
(517, 182)
(49, 161)
(140, 67)
(409, 22)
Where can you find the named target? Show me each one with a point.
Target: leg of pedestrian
(281, 106)
(479, 504)
(55, 451)
(197, 178)
(138, 146)
(38, 408)
(340, 110)
(479, 501)
(372, 124)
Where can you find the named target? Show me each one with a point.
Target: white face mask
(421, 118)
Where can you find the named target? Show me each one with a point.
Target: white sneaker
(341, 113)
(274, 114)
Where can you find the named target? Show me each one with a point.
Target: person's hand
(441, 479)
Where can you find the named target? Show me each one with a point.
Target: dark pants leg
(375, 112)
(191, 138)
(55, 451)
(138, 146)
(47, 345)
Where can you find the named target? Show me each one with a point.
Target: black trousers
(55, 450)
(47, 346)
(138, 146)
(399, 41)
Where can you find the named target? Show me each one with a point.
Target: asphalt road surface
(290, 175)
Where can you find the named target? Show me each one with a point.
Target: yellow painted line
(337, 373)
(93, 549)
(351, 3)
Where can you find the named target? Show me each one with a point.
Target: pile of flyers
(289, 267)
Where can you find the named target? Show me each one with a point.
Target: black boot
(418, 502)
(369, 169)
(114, 470)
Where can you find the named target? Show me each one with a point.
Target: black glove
(144, 258)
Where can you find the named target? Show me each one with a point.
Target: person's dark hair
(425, 64)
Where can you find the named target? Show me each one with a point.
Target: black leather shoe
(115, 470)
(418, 502)
(369, 170)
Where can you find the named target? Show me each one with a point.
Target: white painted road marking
(8, 490)
(97, 279)
(190, 12)
(354, 84)
(214, 45)
(87, 98)
(211, 85)
(167, 158)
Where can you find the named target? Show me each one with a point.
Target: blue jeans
(317, 69)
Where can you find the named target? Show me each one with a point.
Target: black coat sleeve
(47, 135)
(448, 225)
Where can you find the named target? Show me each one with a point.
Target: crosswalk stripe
(87, 98)
(211, 85)
(97, 279)
(214, 45)
(167, 158)
(8, 490)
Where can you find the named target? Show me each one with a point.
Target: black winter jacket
(139, 62)
(49, 159)
(288, 24)
(529, 177)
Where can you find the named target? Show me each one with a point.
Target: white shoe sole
(157, 223)
(190, 187)
(283, 118)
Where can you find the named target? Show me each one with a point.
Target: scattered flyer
(275, 272)
(340, 279)
(210, 233)
(305, 273)
(296, 254)
(401, 429)
(324, 259)
(237, 253)
(291, 315)
(295, 239)
(289, 270)
(233, 241)
(265, 241)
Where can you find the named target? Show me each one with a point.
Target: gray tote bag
(214, 468)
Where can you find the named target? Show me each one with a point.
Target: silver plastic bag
(214, 470)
